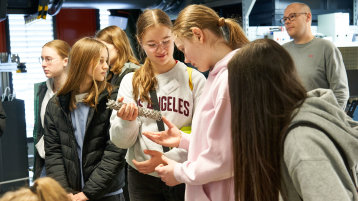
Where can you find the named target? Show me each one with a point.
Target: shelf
(8, 67)
(347, 44)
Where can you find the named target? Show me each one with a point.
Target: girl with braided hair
(164, 82)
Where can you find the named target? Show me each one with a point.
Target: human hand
(79, 197)
(70, 196)
(148, 166)
(166, 172)
(128, 111)
(168, 138)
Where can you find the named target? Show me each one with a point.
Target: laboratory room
(162, 100)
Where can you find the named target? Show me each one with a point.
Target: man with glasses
(319, 63)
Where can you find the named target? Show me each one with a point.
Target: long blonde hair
(84, 54)
(43, 189)
(118, 38)
(144, 79)
(204, 17)
(61, 47)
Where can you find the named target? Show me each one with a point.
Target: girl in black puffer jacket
(79, 153)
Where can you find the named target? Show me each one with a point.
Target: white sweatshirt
(177, 103)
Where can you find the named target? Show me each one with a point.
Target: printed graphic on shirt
(171, 104)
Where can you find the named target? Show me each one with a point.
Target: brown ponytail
(48, 189)
(237, 37)
(204, 17)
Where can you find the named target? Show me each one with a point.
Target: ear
(309, 17)
(198, 34)
(65, 61)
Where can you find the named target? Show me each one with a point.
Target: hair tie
(33, 188)
(221, 22)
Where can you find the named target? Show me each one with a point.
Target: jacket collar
(64, 100)
(42, 88)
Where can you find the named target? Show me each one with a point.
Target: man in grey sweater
(319, 63)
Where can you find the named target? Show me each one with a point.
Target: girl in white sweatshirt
(170, 79)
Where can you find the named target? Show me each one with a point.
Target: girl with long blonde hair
(79, 153)
(162, 83)
(208, 42)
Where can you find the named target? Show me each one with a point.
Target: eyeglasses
(153, 46)
(291, 17)
(48, 60)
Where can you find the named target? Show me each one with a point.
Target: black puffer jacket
(102, 162)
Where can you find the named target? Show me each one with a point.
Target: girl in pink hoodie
(208, 42)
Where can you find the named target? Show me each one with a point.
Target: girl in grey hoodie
(287, 144)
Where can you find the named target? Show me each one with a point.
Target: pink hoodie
(208, 172)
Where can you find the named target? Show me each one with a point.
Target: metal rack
(6, 70)
(8, 67)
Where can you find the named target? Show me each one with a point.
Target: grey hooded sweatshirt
(312, 168)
